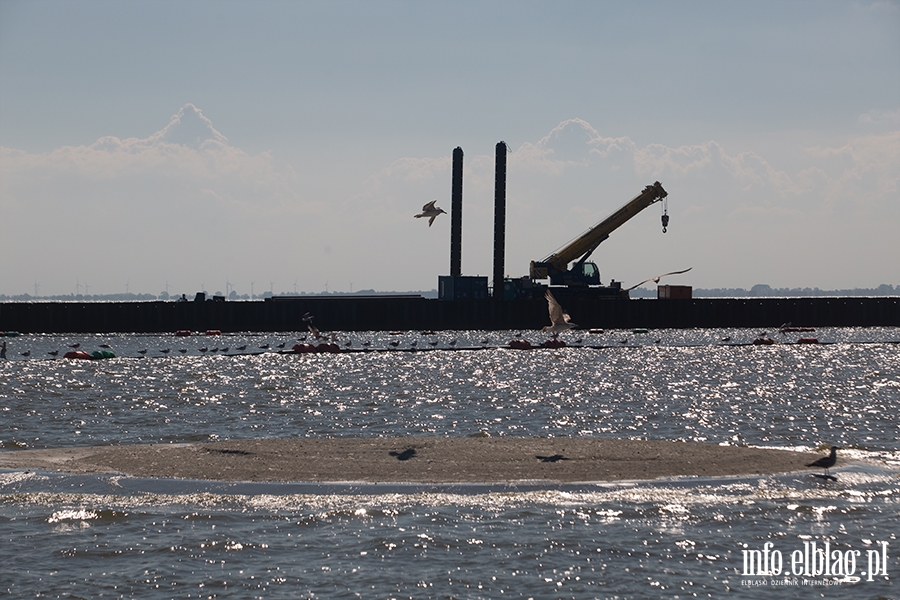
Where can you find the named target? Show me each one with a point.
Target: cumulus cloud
(721, 199)
(881, 117)
(186, 156)
(179, 192)
(185, 200)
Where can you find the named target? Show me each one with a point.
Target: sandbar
(415, 460)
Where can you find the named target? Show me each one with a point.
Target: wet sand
(415, 460)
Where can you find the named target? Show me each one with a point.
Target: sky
(285, 146)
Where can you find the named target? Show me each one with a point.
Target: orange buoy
(183, 333)
(808, 341)
(520, 345)
(213, 332)
(78, 355)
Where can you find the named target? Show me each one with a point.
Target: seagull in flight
(308, 319)
(431, 211)
(559, 319)
(657, 278)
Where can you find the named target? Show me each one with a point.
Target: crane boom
(556, 265)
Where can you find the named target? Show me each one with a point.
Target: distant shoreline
(415, 460)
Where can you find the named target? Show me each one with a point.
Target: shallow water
(91, 535)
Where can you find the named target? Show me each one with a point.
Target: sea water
(115, 536)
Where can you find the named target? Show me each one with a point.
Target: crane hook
(665, 215)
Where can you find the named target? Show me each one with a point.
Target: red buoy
(553, 344)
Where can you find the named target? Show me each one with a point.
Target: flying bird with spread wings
(431, 212)
(657, 278)
(559, 319)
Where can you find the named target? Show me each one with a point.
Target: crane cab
(582, 274)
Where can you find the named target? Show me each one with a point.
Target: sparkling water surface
(113, 536)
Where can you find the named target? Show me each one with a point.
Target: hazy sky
(289, 144)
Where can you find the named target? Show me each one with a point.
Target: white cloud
(890, 118)
(181, 195)
(186, 206)
(736, 216)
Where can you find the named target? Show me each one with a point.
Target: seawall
(382, 313)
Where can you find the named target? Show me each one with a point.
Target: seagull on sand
(826, 462)
(431, 212)
(559, 319)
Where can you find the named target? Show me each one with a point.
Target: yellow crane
(583, 273)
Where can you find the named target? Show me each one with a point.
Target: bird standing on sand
(826, 462)
(431, 212)
(559, 319)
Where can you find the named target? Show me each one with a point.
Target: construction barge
(469, 303)
(388, 313)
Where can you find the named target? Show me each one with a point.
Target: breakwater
(383, 313)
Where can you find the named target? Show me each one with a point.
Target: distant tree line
(164, 296)
(762, 290)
